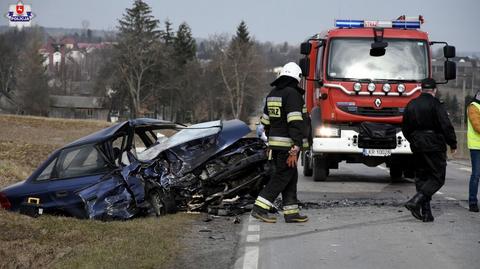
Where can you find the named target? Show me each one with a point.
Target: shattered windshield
(190, 133)
(349, 58)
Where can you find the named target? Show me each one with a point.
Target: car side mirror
(305, 48)
(450, 70)
(449, 51)
(304, 64)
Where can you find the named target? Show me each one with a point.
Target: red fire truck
(358, 79)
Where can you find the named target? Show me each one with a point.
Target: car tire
(409, 173)
(161, 202)
(320, 168)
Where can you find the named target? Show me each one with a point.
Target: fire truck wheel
(409, 173)
(396, 173)
(320, 168)
(307, 164)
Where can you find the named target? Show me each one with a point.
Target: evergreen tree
(168, 35)
(241, 69)
(137, 51)
(242, 36)
(184, 45)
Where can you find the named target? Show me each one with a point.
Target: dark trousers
(284, 180)
(473, 184)
(431, 169)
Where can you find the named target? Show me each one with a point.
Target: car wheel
(162, 203)
(409, 173)
(158, 207)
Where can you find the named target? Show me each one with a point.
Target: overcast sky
(456, 22)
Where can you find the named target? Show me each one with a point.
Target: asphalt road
(357, 221)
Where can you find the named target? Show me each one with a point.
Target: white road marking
(254, 228)
(439, 192)
(383, 168)
(250, 260)
(253, 238)
(465, 169)
(450, 198)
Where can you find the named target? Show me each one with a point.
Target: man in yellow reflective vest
(473, 137)
(286, 129)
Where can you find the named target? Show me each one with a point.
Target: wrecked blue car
(145, 167)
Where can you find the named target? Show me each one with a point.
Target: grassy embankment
(60, 242)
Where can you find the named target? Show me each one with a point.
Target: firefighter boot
(291, 213)
(415, 204)
(261, 210)
(427, 212)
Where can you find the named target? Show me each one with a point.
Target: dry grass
(58, 242)
(27, 141)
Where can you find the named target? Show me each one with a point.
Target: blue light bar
(349, 24)
(398, 24)
(406, 24)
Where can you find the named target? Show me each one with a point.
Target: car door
(72, 170)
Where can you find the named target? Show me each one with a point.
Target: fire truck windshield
(349, 59)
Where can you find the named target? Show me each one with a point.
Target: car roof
(111, 131)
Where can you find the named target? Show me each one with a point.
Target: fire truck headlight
(386, 87)
(401, 88)
(357, 87)
(371, 87)
(327, 132)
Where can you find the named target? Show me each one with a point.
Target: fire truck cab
(358, 79)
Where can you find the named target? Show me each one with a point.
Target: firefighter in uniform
(428, 129)
(285, 126)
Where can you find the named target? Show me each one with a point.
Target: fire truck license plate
(377, 152)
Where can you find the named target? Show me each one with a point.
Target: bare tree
(241, 70)
(32, 91)
(137, 48)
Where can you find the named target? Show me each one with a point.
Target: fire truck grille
(372, 112)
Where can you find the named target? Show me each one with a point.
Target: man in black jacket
(283, 117)
(428, 129)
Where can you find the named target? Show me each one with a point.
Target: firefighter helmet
(291, 69)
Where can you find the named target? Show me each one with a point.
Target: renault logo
(378, 103)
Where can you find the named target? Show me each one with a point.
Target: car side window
(75, 162)
(47, 172)
(138, 144)
(80, 161)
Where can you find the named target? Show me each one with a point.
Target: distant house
(78, 107)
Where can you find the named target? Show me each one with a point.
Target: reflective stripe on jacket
(283, 114)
